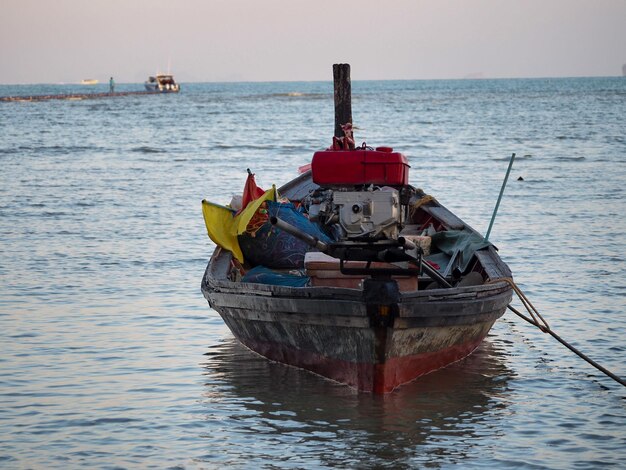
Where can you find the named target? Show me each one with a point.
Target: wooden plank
(343, 97)
(494, 267)
(446, 217)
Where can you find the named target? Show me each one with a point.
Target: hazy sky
(51, 41)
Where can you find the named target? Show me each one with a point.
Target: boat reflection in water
(278, 405)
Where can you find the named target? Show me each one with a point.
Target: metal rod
(434, 275)
(495, 211)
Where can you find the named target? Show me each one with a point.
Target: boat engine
(373, 213)
(360, 193)
(363, 197)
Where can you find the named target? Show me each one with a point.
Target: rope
(535, 315)
(537, 320)
(425, 199)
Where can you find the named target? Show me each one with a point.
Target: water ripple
(112, 358)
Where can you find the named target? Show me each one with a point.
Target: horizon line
(468, 78)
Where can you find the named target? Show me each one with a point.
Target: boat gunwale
(213, 282)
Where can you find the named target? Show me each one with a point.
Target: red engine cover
(382, 166)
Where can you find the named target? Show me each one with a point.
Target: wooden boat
(381, 307)
(371, 336)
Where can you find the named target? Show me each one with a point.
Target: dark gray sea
(111, 357)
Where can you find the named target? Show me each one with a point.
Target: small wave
(53, 149)
(24, 335)
(52, 214)
(244, 146)
(292, 94)
(570, 159)
(94, 422)
(146, 149)
(517, 157)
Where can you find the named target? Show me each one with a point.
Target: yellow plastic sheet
(223, 227)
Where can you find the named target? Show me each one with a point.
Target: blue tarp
(275, 248)
(263, 275)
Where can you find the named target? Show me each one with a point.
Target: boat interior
(441, 242)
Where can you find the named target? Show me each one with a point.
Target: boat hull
(340, 336)
(156, 89)
(370, 374)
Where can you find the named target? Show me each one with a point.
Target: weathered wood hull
(336, 333)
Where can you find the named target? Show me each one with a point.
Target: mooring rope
(537, 320)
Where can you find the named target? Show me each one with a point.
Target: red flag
(251, 192)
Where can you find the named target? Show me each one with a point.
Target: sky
(65, 41)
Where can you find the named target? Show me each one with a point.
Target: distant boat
(89, 81)
(162, 83)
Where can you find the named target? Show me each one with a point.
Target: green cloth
(463, 241)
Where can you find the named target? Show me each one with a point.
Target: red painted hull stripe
(376, 378)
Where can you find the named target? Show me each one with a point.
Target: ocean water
(111, 357)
